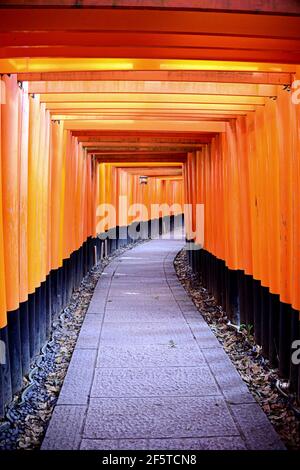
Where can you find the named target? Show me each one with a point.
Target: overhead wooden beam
(204, 113)
(70, 99)
(149, 147)
(111, 68)
(175, 166)
(166, 126)
(106, 39)
(178, 158)
(137, 150)
(141, 106)
(167, 21)
(282, 56)
(141, 138)
(169, 178)
(148, 164)
(214, 116)
(190, 88)
(285, 7)
(124, 153)
(201, 115)
(155, 171)
(268, 78)
(150, 119)
(122, 108)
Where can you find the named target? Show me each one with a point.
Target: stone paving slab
(148, 355)
(97, 306)
(153, 382)
(139, 307)
(191, 316)
(160, 417)
(255, 426)
(146, 315)
(120, 281)
(64, 430)
(78, 381)
(148, 373)
(233, 388)
(202, 334)
(90, 332)
(162, 332)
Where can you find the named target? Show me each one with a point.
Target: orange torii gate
(98, 94)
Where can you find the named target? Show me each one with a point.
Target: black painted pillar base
(15, 349)
(275, 324)
(24, 329)
(5, 376)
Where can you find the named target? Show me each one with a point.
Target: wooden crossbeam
(166, 126)
(156, 171)
(191, 88)
(159, 159)
(124, 153)
(214, 116)
(211, 76)
(112, 147)
(140, 138)
(117, 135)
(167, 21)
(286, 7)
(84, 99)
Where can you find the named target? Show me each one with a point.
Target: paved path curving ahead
(148, 373)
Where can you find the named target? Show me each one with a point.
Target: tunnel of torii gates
(200, 99)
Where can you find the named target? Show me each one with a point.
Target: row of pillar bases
(29, 327)
(274, 324)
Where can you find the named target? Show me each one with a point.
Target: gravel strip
(240, 346)
(28, 415)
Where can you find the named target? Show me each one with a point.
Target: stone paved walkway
(148, 373)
